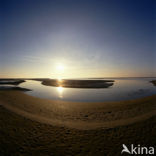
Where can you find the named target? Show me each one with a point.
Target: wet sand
(33, 126)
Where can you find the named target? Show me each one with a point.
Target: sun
(60, 67)
(60, 71)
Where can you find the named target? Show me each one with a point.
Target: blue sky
(89, 38)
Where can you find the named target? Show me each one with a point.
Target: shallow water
(123, 89)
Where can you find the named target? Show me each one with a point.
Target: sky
(77, 38)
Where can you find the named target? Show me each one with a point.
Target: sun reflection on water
(60, 91)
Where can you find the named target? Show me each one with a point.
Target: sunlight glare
(60, 67)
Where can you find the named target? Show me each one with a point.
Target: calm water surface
(123, 89)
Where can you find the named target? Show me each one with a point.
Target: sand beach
(31, 125)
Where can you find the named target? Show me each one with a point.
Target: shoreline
(24, 135)
(79, 115)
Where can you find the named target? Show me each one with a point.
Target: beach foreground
(73, 128)
(21, 136)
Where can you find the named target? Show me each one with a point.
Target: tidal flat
(78, 83)
(36, 126)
